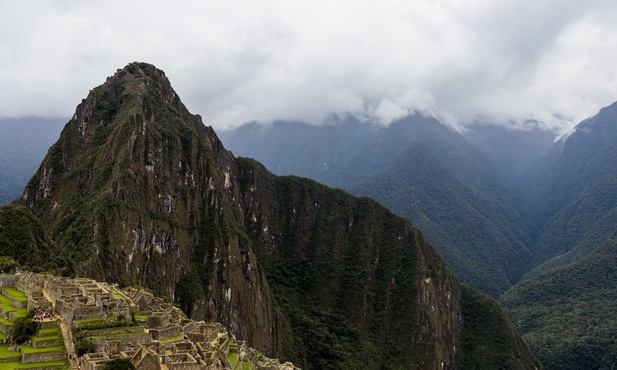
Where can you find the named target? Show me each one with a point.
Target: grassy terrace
(5, 321)
(173, 339)
(49, 331)
(50, 337)
(16, 294)
(233, 358)
(5, 353)
(5, 304)
(25, 348)
(62, 364)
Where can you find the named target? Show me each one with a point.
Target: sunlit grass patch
(16, 294)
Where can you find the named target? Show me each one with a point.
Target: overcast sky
(238, 61)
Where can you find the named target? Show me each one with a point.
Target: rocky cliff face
(138, 191)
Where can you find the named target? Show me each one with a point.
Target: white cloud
(240, 61)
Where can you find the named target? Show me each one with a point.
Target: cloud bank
(234, 62)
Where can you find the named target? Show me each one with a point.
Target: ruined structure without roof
(131, 324)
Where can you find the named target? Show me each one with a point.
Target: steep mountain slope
(23, 240)
(567, 315)
(23, 144)
(139, 191)
(576, 198)
(474, 230)
(444, 191)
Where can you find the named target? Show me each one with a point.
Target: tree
(119, 364)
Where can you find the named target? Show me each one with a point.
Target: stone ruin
(167, 340)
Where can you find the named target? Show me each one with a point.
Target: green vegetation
(29, 349)
(119, 364)
(61, 364)
(46, 338)
(489, 340)
(340, 282)
(83, 346)
(567, 315)
(23, 242)
(6, 353)
(173, 339)
(5, 304)
(22, 330)
(49, 330)
(16, 294)
(233, 358)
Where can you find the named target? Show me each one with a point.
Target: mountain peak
(139, 192)
(138, 86)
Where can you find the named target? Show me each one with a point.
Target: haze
(234, 62)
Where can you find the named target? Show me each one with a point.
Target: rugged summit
(138, 191)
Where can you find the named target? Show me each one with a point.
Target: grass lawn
(50, 337)
(16, 294)
(5, 353)
(64, 364)
(29, 349)
(49, 331)
(116, 295)
(5, 321)
(233, 358)
(5, 304)
(140, 317)
(2, 336)
(173, 339)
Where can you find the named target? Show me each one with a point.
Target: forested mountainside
(23, 144)
(567, 315)
(568, 199)
(422, 170)
(575, 199)
(138, 191)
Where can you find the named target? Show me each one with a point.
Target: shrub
(83, 346)
(23, 329)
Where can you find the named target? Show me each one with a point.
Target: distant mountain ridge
(568, 196)
(23, 144)
(138, 191)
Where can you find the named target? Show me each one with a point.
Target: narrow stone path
(68, 340)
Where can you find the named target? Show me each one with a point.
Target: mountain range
(500, 206)
(419, 168)
(138, 191)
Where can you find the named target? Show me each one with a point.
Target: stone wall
(166, 332)
(15, 358)
(182, 361)
(47, 343)
(28, 358)
(137, 338)
(7, 281)
(115, 330)
(93, 361)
